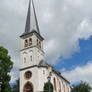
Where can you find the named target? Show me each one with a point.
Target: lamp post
(49, 78)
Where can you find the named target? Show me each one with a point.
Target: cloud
(79, 73)
(84, 29)
(14, 76)
(62, 23)
(14, 72)
(68, 23)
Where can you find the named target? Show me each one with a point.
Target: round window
(28, 75)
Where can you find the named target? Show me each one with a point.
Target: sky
(66, 26)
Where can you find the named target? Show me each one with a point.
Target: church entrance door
(28, 87)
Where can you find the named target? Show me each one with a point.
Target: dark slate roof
(31, 21)
(42, 63)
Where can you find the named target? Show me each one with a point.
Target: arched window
(59, 86)
(26, 43)
(54, 81)
(30, 41)
(28, 87)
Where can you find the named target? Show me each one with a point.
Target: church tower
(31, 53)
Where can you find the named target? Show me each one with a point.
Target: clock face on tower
(28, 75)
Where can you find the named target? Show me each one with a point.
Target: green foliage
(82, 87)
(16, 87)
(48, 87)
(5, 67)
(5, 87)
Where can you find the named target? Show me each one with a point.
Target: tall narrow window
(68, 88)
(24, 60)
(64, 88)
(30, 41)
(31, 58)
(54, 80)
(37, 42)
(59, 86)
(26, 43)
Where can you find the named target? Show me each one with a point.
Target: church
(34, 71)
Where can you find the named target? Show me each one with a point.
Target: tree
(5, 67)
(16, 86)
(48, 87)
(82, 87)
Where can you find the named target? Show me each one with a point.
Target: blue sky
(79, 65)
(80, 58)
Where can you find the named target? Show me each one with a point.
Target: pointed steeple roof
(31, 22)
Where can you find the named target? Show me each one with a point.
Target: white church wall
(33, 53)
(34, 79)
(28, 62)
(27, 38)
(42, 78)
(39, 77)
(34, 41)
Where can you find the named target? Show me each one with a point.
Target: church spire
(31, 22)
